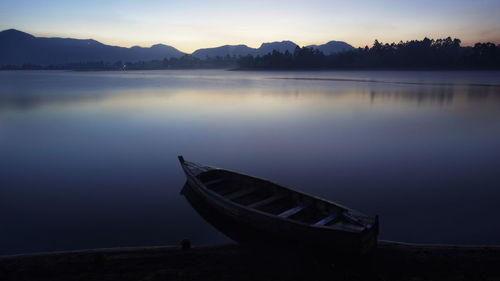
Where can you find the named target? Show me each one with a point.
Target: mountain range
(17, 48)
(332, 47)
(243, 50)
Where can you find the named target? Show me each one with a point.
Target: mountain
(329, 48)
(282, 47)
(17, 48)
(222, 51)
(332, 47)
(243, 50)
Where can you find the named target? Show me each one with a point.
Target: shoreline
(393, 261)
(261, 69)
(382, 244)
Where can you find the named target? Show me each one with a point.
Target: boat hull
(248, 227)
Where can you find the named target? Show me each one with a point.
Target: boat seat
(326, 220)
(266, 201)
(213, 182)
(240, 193)
(293, 211)
(351, 217)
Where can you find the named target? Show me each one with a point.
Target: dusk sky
(192, 24)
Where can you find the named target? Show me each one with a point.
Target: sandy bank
(393, 261)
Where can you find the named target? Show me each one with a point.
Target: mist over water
(89, 159)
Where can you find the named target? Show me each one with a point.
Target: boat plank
(266, 201)
(292, 211)
(326, 220)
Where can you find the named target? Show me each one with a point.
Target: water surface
(88, 159)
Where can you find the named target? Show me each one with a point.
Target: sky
(192, 24)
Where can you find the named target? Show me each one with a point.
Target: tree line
(184, 62)
(424, 54)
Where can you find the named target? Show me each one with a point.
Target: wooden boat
(255, 211)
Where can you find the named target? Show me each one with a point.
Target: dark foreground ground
(393, 261)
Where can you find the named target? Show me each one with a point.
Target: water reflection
(89, 159)
(49, 88)
(440, 97)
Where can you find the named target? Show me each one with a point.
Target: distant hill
(333, 47)
(329, 48)
(17, 48)
(243, 50)
(282, 47)
(222, 51)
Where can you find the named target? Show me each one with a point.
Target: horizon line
(38, 35)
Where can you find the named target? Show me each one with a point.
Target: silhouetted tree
(425, 54)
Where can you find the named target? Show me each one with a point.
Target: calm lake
(89, 159)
